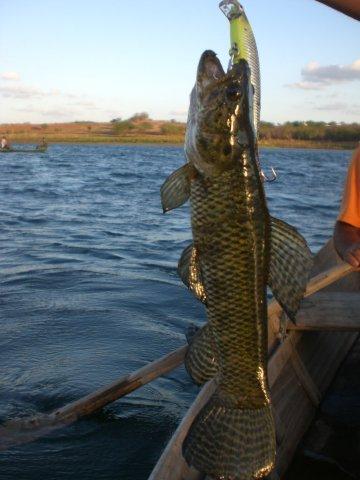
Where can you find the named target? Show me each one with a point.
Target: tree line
(298, 130)
(311, 131)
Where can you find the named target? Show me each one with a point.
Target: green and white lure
(243, 46)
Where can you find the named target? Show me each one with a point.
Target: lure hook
(265, 178)
(233, 53)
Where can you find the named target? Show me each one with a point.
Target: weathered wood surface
(321, 353)
(318, 282)
(332, 311)
(299, 370)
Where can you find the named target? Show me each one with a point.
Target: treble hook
(267, 179)
(233, 52)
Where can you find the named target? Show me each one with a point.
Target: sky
(75, 60)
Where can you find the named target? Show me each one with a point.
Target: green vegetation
(310, 131)
(141, 124)
(173, 128)
(122, 126)
(140, 128)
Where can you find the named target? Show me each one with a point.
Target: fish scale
(234, 285)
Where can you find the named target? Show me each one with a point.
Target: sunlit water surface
(89, 291)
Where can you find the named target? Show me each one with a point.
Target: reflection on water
(89, 291)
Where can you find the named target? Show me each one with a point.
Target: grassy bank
(174, 140)
(138, 130)
(141, 129)
(100, 139)
(279, 143)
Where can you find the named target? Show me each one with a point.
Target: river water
(89, 291)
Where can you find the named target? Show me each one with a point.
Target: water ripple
(89, 292)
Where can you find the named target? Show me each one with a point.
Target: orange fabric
(350, 207)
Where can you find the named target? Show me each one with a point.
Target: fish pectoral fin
(175, 191)
(189, 271)
(290, 264)
(201, 361)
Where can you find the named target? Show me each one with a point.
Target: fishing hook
(233, 52)
(265, 178)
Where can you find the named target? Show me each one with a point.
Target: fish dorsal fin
(290, 264)
(190, 272)
(175, 191)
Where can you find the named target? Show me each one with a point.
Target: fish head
(220, 121)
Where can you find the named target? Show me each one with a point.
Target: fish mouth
(214, 86)
(230, 92)
(210, 69)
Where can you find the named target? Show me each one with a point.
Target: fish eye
(233, 92)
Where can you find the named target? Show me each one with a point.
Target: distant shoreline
(140, 129)
(167, 140)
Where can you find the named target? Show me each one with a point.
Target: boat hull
(300, 370)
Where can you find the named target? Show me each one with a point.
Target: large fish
(238, 249)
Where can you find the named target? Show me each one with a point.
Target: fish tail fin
(229, 442)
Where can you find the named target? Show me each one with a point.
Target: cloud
(62, 113)
(54, 103)
(313, 72)
(84, 103)
(53, 111)
(10, 76)
(178, 113)
(305, 85)
(333, 106)
(349, 109)
(316, 77)
(23, 91)
(42, 111)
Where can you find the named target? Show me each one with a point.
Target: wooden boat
(39, 149)
(300, 369)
